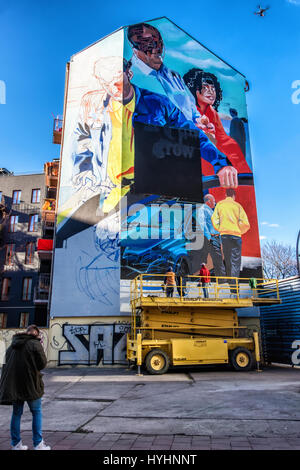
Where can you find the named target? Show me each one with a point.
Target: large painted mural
(156, 168)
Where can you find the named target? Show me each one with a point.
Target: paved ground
(195, 409)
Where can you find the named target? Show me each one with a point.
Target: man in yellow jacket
(230, 219)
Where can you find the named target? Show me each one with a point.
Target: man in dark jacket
(22, 381)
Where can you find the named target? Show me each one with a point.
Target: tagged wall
(83, 342)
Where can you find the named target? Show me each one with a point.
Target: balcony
(57, 130)
(41, 291)
(51, 173)
(48, 222)
(25, 208)
(45, 248)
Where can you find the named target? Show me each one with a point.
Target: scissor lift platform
(191, 329)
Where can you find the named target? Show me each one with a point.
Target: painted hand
(228, 177)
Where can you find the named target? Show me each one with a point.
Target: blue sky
(38, 37)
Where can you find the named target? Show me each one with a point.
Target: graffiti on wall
(94, 344)
(7, 334)
(296, 353)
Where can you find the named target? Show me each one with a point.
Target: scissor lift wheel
(241, 359)
(157, 361)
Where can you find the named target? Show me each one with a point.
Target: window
(24, 320)
(29, 253)
(13, 221)
(16, 196)
(0, 196)
(10, 251)
(26, 290)
(5, 288)
(36, 195)
(3, 320)
(33, 222)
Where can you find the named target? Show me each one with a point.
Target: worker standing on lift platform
(204, 280)
(170, 282)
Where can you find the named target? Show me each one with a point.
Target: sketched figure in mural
(96, 135)
(97, 276)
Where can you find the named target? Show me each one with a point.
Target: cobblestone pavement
(59, 440)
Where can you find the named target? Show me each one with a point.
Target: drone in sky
(261, 11)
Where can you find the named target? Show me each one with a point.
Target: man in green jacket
(21, 381)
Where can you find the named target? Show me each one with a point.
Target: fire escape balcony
(41, 291)
(45, 248)
(48, 213)
(51, 173)
(57, 130)
(25, 208)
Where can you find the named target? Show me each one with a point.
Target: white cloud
(200, 63)
(294, 2)
(270, 225)
(262, 237)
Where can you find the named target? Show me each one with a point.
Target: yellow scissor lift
(189, 329)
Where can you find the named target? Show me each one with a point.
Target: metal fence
(280, 325)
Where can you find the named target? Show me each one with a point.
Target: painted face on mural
(109, 72)
(114, 86)
(210, 201)
(148, 46)
(208, 94)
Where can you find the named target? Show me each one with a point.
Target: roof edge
(155, 19)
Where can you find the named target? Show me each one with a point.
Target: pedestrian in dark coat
(21, 380)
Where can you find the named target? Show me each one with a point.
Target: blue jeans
(205, 290)
(35, 407)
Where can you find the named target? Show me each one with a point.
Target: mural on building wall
(189, 102)
(152, 119)
(87, 252)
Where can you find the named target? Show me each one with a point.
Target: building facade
(22, 198)
(27, 229)
(151, 118)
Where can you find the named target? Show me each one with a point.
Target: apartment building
(27, 219)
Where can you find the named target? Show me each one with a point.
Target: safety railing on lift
(191, 288)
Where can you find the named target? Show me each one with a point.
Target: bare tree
(279, 261)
